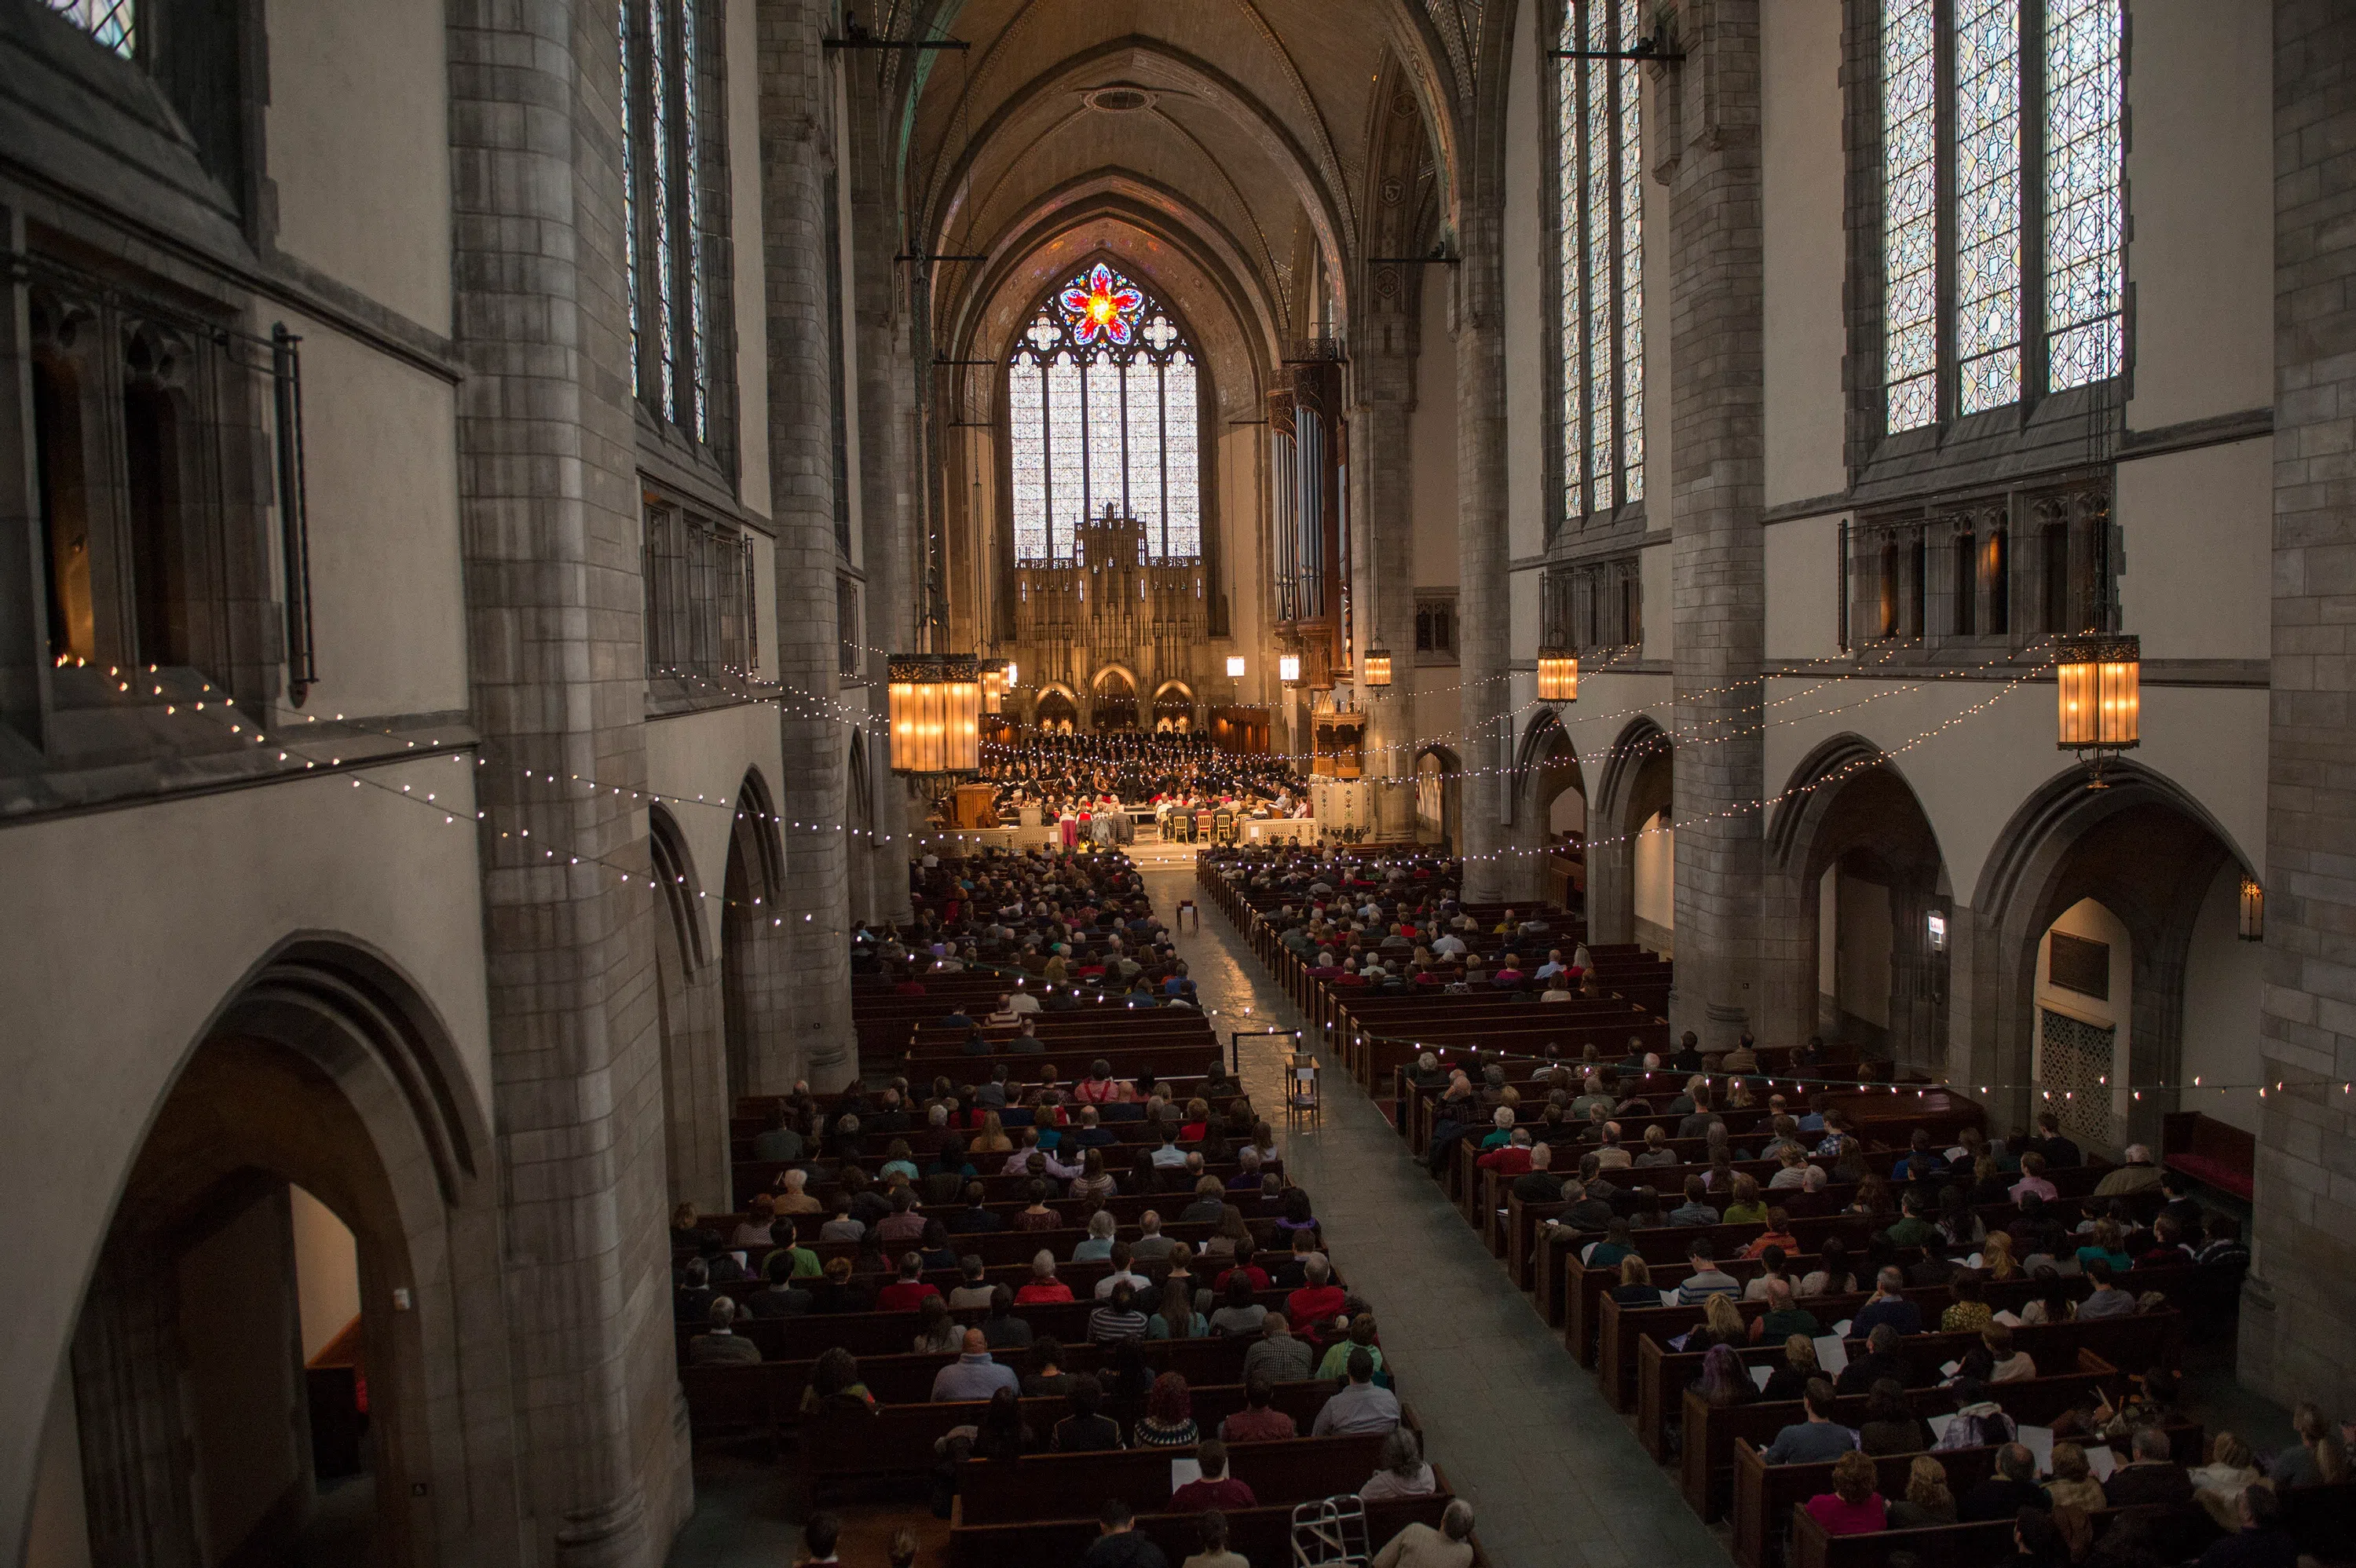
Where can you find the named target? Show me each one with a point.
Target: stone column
(797, 150)
(892, 499)
(2298, 1321)
(1483, 602)
(1715, 488)
(1383, 557)
(549, 515)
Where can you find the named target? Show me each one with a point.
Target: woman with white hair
(1404, 1472)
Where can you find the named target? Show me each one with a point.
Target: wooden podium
(977, 805)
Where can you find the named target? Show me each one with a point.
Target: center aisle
(1551, 1469)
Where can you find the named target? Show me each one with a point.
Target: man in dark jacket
(1118, 1544)
(2012, 1488)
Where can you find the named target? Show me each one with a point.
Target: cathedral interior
(777, 615)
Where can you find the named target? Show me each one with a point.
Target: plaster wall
(1656, 564)
(240, 1384)
(2201, 184)
(2223, 979)
(698, 762)
(2093, 922)
(59, 1534)
(1802, 238)
(1656, 873)
(358, 134)
(1803, 565)
(1862, 924)
(380, 478)
(1431, 432)
(2196, 579)
(765, 605)
(1971, 775)
(159, 912)
(326, 1272)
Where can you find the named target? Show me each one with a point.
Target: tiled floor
(1522, 1431)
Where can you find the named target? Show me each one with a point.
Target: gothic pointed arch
(689, 1008)
(324, 1068)
(2147, 852)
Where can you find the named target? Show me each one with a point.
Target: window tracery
(1103, 399)
(1599, 187)
(1977, 169)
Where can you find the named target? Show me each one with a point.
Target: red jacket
(1512, 1159)
(1309, 1308)
(904, 1295)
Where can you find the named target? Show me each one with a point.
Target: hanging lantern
(2254, 910)
(936, 713)
(1288, 669)
(1558, 674)
(1235, 666)
(2098, 677)
(1377, 672)
(994, 682)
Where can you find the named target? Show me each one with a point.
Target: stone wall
(2299, 1324)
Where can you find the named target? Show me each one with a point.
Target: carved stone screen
(2072, 1057)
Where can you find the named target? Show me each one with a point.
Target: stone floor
(1553, 1472)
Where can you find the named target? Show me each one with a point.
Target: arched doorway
(2095, 891)
(312, 1193)
(688, 1000)
(753, 984)
(1440, 799)
(1055, 714)
(1113, 706)
(1549, 832)
(1857, 937)
(1174, 710)
(1630, 842)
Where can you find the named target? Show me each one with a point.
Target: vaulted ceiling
(1236, 156)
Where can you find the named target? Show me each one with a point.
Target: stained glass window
(668, 143)
(1958, 126)
(113, 22)
(1987, 202)
(1599, 151)
(1910, 211)
(2084, 213)
(1102, 409)
(630, 195)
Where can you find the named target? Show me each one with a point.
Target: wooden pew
(2131, 1344)
(1263, 1534)
(1764, 1492)
(1043, 1486)
(898, 1439)
(1706, 1469)
(766, 1396)
(890, 1333)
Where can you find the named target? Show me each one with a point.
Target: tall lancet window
(1599, 186)
(669, 160)
(2002, 211)
(1103, 406)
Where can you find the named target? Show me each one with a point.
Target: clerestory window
(2003, 214)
